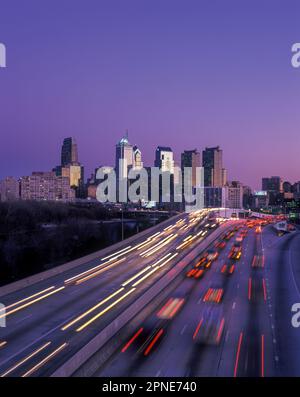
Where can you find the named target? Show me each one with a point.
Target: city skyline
(175, 76)
(177, 163)
(149, 192)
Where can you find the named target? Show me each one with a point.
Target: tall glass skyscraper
(69, 152)
(214, 173)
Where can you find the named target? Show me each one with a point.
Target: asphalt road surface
(48, 322)
(247, 334)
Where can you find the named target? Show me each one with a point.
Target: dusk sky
(186, 74)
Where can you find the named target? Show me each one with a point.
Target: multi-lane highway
(244, 330)
(227, 313)
(48, 322)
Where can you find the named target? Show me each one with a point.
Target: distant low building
(9, 189)
(260, 199)
(92, 191)
(46, 186)
(273, 184)
(247, 197)
(233, 195)
(214, 197)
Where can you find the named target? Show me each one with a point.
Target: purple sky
(186, 73)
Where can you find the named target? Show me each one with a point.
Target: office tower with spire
(124, 157)
(137, 158)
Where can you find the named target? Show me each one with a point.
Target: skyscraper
(69, 153)
(273, 184)
(137, 158)
(70, 166)
(191, 159)
(214, 173)
(124, 157)
(164, 159)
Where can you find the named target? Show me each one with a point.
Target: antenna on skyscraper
(126, 134)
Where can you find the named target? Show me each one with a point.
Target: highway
(48, 322)
(230, 317)
(246, 333)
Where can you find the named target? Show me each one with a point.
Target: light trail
(219, 334)
(144, 270)
(104, 311)
(132, 340)
(156, 245)
(45, 360)
(262, 356)
(154, 235)
(161, 259)
(146, 276)
(155, 339)
(238, 355)
(25, 359)
(155, 268)
(109, 256)
(3, 343)
(168, 260)
(264, 289)
(26, 299)
(249, 288)
(97, 273)
(152, 251)
(136, 276)
(91, 309)
(31, 302)
(186, 243)
(123, 253)
(198, 328)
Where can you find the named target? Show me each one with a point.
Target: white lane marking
(227, 336)
(183, 329)
(34, 342)
(233, 305)
(23, 319)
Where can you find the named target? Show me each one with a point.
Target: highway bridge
(175, 300)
